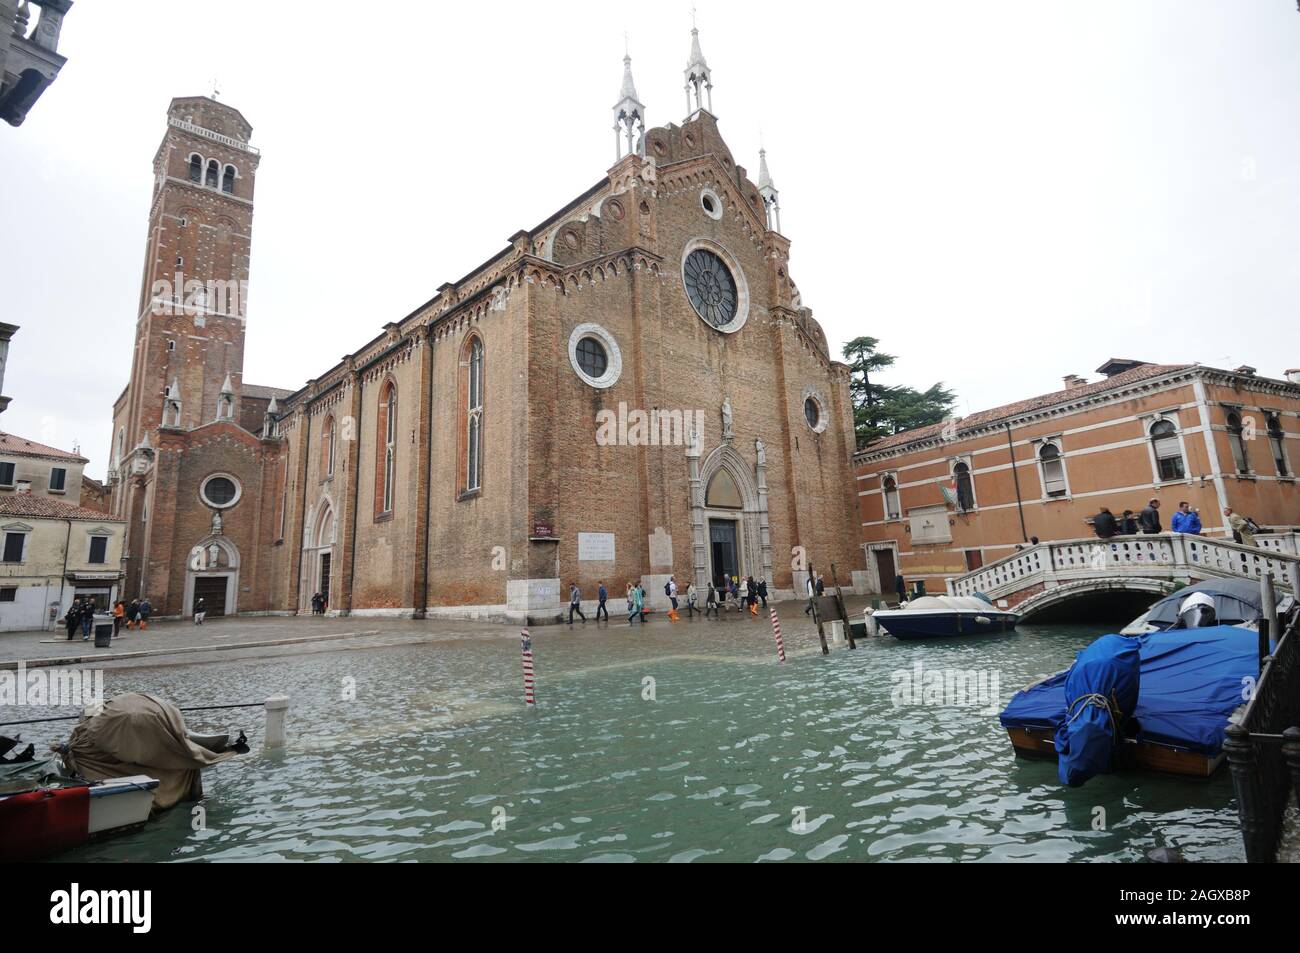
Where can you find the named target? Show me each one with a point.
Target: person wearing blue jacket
(1186, 520)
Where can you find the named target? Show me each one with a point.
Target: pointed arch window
(228, 179)
(327, 448)
(473, 415)
(386, 475)
(213, 172)
(1237, 441)
(1277, 442)
(196, 169)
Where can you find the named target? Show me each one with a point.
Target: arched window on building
(196, 168)
(1053, 470)
(965, 485)
(1168, 452)
(327, 448)
(889, 486)
(1277, 443)
(228, 179)
(386, 430)
(213, 172)
(472, 414)
(1237, 441)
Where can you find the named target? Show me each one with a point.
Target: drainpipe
(63, 578)
(1015, 475)
(1211, 451)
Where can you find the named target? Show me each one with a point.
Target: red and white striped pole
(776, 631)
(529, 698)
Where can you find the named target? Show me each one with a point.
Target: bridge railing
(1175, 553)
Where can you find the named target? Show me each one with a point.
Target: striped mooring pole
(529, 698)
(776, 631)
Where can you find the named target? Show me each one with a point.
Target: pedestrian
(670, 590)
(742, 600)
(575, 603)
(1194, 526)
(811, 586)
(133, 613)
(145, 609)
(72, 619)
(630, 598)
(762, 591)
(1033, 540)
(200, 611)
(1179, 519)
(87, 619)
(119, 611)
(636, 600)
(1104, 524)
(1149, 518)
(733, 593)
(711, 602)
(821, 586)
(1127, 524)
(1243, 528)
(692, 600)
(602, 594)
(900, 586)
(753, 595)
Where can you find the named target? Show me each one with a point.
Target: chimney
(1074, 380)
(1245, 369)
(1293, 375)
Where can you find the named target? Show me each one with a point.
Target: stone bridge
(1052, 575)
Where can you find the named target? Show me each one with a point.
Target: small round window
(812, 413)
(592, 357)
(220, 491)
(711, 204)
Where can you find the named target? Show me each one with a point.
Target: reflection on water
(735, 757)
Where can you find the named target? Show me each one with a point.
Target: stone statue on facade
(726, 419)
(761, 451)
(216, 523)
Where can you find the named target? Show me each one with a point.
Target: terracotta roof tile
(26, 504)
(21, 447)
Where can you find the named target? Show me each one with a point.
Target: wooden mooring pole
(1268, 603)
(817, 616)
(839, 604)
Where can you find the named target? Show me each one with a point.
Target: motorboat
(937, 616)
(1212, 602)
(1159, 701)
(60, 813)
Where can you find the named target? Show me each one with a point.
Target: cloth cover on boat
(1235, 601)
(139, 733)
(1192, 680)
(1101, 692)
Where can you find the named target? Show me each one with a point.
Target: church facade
(630, 390)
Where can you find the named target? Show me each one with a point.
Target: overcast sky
(1002, 192)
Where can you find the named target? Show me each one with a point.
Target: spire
(226, 400)
(767, 189)
(629, 114)
(698, 76)
(227, 387)
(172, 405)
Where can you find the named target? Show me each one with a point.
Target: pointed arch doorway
(729, 517)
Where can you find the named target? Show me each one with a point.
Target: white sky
(1002, 192)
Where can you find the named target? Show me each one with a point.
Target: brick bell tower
(190, 324)
(188, 354)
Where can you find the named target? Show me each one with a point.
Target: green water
(736, 758)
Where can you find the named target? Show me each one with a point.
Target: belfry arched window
(386, 431)
(228, 179)
(196, 168)
(213, 172)
(1168, 451)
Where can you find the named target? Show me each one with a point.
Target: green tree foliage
(879, 409)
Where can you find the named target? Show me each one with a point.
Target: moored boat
(1212, 602)
(938, 616)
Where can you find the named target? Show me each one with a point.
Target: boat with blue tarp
(1095, 718)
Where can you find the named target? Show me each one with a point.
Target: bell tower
(187, 365)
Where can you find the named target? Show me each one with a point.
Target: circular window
(615, 211)
(715, 285)
(220, 491)
(814, 410)
(711, 204)
(592, 358)
(595, 356)
(711, 288)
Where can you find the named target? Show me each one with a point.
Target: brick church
(630, 389)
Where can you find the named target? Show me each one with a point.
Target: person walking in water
(145, 610)
(812, 591)
(670, 590)
(692, 600)
(200, 611)
(762, 591)
(602, 595)
(636, 599)
(711, 602)
(575, 603)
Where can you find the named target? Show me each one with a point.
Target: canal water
(673, 743)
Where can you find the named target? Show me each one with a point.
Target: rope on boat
(34, 721)
(1097, 700)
